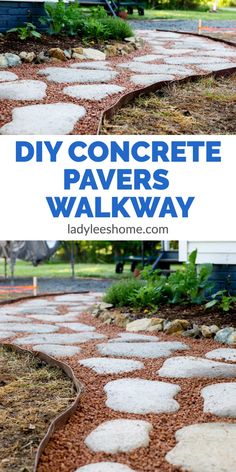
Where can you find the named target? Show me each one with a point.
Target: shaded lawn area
(175, 110)
(55, 269)
(220, 15)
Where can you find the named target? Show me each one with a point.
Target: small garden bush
(119, 294)
(69, 19)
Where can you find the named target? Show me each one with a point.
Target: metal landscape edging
(63, 417)
(130, 96)
(10, 301)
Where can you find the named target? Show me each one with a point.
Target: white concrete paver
(224, 353)
(190, 367)
(28, 327)
(6, 334)
(77, 326)
(144, 350)
(93, 92)
(119, 436)
(5, 76)
(59, 338)
(14, 318)
(23, 90)
(54, 118)
(54, 318)
(141, 396)
(205, 447)
(220, 399)
(57, 350)
(156, 68)
(133, 338)
(102, 365)
(105, 467)
(62, 75)
(100, 65)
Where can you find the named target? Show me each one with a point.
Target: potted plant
(122, 13)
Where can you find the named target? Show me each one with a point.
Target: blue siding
(14, 14)
(224, 276)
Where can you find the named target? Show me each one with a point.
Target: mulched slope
(175, 110)
(67, 451)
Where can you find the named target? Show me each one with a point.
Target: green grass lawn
(185, 15)
(53, 269)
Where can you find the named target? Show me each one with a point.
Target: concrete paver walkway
(132, 395)
(78, 85)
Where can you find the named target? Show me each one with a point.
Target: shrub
(117, 28)
(69, 19)
(120, 293)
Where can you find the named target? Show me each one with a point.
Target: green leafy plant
(119, 294)
(27, 30)
(150, 295)
(222, 298)
(189, 285)
(95, 29)
(63, 18)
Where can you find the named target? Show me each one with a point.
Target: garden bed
(175, 110)
(11, 43)
(32, 394)
(195, 314)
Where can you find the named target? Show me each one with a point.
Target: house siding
(221, 254)
(13, 14)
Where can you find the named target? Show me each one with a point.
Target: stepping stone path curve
(134, 409)
(170, 56)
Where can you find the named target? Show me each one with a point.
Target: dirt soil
(225, 35)
(11, 43)
(196, 314)
(32, 394)
(175, 110)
